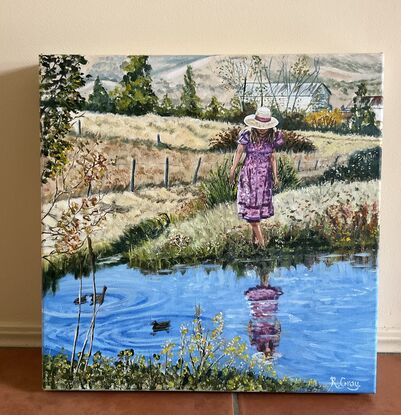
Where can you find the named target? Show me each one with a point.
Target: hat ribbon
(262, 119)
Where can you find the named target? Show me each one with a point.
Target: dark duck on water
(99, 297)
(162, 325)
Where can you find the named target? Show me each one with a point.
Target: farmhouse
(312, 96)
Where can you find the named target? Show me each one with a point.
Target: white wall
(28, 28)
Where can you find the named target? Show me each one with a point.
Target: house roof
(374, 101)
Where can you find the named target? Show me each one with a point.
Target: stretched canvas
(210, 223)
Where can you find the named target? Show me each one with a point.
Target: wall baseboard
(389, 340)
(19, 335)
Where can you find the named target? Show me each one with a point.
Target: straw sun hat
(261, 120)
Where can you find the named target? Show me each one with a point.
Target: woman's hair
(255, 137)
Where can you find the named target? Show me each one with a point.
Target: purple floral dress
(255, 182)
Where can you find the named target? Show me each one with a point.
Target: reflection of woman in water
(264, 329)
(259, 171)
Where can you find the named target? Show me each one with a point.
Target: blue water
(320, 318)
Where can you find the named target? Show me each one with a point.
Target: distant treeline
(134, 96)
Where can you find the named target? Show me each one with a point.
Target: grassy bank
(129, 372)
(205, 361)
(338, 215)
(130, 209)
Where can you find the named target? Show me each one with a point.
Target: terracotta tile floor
(21, 393)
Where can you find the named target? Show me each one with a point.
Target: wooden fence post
(299, 163)
(166, 173)
(197, 171)
(132, 184)
(79, 128)
(158, 141)
(335, 161)
(317, 162)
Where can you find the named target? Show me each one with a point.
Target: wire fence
(304, 163)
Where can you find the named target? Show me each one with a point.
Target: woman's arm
(274, 166)
(237, 157)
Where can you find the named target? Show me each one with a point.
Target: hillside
(340, 72)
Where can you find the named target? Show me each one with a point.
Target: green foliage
(216, 188)
(60, 101)
(205, 361)
(214, 111)
(293, 120)
(166, 106)
(287, 173)
(363, 117)
(362, 165)
(237, 111)
(190, 103)
(99, 100)
(134, 95)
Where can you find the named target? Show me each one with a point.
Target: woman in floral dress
(259, 172)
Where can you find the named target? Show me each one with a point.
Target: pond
(315, 313)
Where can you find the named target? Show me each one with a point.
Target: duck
(162, 325)
(81, 300)
(99, 297)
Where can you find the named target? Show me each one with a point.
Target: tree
(60, 102)
(214, 110)
(134, 95)
(190, 103)
(99, 99)
(78, 222)
(235, 72)
(270, 81)
(363, 117)
(166, 107)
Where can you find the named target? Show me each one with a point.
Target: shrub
(287, 174)
(227, 140)
(294, 120)
(297, 143)
(217, 188)
(324, 119)
(365, 164)
(342, 225)
(362, 165)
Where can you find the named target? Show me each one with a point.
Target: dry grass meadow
(123, 138)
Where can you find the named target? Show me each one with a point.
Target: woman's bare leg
(253, 235)
(258, 233)
(262, 238)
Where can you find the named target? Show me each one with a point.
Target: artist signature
(343, 383)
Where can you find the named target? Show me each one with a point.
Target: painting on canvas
(210, 223)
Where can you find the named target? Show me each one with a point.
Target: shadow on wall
(20, 197)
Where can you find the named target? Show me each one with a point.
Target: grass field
(123, 138)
